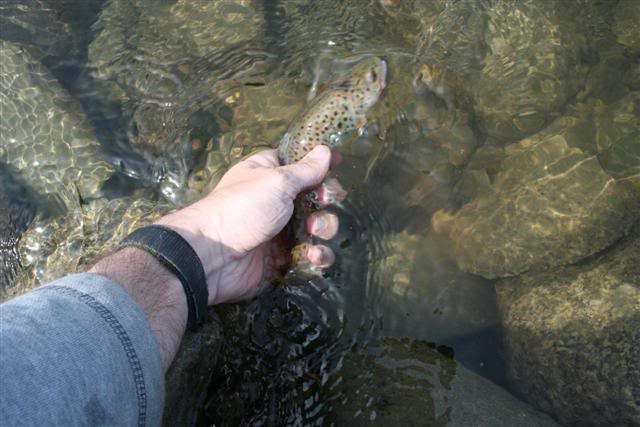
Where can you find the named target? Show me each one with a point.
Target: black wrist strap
(173, 252)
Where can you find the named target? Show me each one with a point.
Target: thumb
(310, 171)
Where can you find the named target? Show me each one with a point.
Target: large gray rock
(552, 203)
(399, 382)
(573, 337)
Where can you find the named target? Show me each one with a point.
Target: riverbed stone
(573, 337)
(617, 139)
(530, 70)
(551, 203)
(17, 211)
(401, 382)
(516, 64)
(262, 113)
(169, 66)
(48, 144)
(52, 31)
(626, 17)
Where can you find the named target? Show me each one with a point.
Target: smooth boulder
(573, 337)
(551, 203)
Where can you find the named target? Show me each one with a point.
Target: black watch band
(177, 255)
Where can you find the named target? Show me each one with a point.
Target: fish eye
(374, 75)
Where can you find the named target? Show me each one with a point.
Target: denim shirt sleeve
(78, 351)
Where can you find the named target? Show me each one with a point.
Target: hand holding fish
(232, 229)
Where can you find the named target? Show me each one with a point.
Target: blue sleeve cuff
(78, 351)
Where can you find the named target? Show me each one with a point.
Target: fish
(329, 119)
(337, 112)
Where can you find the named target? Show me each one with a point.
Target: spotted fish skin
(339, 110)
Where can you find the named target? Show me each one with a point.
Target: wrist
(155, 289)
(205, 243)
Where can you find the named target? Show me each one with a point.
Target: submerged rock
(551, 203)
(262, 112)
(617, 138)
(329, 29)
(573, 337)
(418, 292)
(17, 211)
(516, 63)
(48, 144)
(45, 136)
(406, 18)
(107, 222)
(625, 26)
(52, 31)
(530, 71)
(169, 65)
(402, 382)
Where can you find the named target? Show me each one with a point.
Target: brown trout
(338, 111)
(328, 120)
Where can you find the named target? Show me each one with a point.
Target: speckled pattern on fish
(340, 109)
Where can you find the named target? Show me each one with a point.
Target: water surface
(178, 91)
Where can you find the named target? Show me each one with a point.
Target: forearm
(78, 351)
(157, 291)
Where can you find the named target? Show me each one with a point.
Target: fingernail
(330, 192)
(321, 256)
(317, 224)
(323, 225)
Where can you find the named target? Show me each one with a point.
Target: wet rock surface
(626, 16)
(515, 74)
(196, 86)
(410, 383)
(169, 66)
(49, 145)
(421, 286)
(17, 211)
(551, 203)
(53, 31)
(529, 73)
(573, 337)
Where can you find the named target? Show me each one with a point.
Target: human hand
(232, 228)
